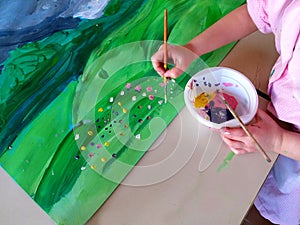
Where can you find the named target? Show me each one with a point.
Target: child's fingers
(233, 133)
(233, 144)
(157, 62)
(173, 73)
(239, 151)
(158, 68)
(236, 146)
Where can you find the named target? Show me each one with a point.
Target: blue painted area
(32, 20)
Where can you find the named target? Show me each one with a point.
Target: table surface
(177, 181)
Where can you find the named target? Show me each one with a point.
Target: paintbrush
(258, 146)
(165, 51)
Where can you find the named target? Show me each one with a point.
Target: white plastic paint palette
(231, 83)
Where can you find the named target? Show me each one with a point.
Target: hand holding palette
(205, 104)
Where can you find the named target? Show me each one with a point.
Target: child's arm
(290, 145)
(234, 26)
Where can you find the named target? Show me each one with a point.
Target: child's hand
(180, 56)
(266, 131)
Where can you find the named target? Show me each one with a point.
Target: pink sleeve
(258, 11)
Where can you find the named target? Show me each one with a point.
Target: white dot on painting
(77, 137)
(138, 136)
(144, 94)
(87, 121)
(122, 93)
(111, 99)
(160, 102)
(83, 168)
(133, 98)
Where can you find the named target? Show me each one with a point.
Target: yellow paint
(93, 167)
(203, 99)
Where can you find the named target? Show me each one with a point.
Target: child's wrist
(190, 46)
(285, 143)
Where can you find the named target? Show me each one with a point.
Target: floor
(254, 218)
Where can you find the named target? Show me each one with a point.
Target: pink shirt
(282, 17)
(279, 197)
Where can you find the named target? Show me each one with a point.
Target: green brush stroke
(226, 161)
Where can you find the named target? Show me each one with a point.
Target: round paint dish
(202, 97)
